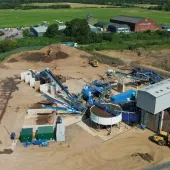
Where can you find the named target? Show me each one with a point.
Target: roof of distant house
(130, 19)
(41, 28)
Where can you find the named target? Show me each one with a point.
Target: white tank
(23, 74)
(27, 78)
(32, 82)
(102, 117)
(45, 87)
(53, 89)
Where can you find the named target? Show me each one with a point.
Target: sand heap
(57, 51)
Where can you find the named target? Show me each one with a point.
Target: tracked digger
(162, 138)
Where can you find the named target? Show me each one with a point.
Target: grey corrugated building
(117, 28)
(103, 24)
(39, 31)
(153, 100)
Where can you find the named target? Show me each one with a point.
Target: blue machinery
(73, 100)
(92, 93)
(141, 75)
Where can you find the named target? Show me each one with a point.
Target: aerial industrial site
(62, 109)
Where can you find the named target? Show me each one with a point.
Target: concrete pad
(69, 120)
(103, 133)
(32, 82)
(27, 78)
(39, 110)
(86, 128)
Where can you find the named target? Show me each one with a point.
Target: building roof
(119, 25)
(128, 19)
(103, 23)
(158, 89)
(91, 26)
(40, 29)
(45, 129)
(61, 27)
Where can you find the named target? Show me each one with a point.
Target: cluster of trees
(165, 6)
(90, 1)
(79, 31)
(27, 7)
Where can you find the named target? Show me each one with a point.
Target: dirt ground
(157, 60)
(81, 150)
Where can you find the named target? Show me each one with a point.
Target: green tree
(77, 28)
(26, 32)
(52, 31)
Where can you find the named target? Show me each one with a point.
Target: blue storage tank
(123, 97)
(130, 117)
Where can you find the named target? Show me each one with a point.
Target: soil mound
(48, 54)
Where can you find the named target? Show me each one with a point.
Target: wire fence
(3, 56)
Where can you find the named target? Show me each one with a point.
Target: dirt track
(81, 151)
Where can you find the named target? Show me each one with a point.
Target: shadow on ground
(7, 87)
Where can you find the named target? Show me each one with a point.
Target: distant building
(118, 28)
(61, 27)
(137, 24)
(165, 27)
(92, 21)
(103, 24)
(95, 29)
(38, 31)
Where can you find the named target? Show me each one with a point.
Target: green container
(26, 135)
(45, 132)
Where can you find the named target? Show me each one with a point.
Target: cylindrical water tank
(102, 117)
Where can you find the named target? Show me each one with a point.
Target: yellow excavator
(47, 52)
(163, 138)
(94, 63)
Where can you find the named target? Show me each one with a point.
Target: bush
(132, 47)
(26, 32)
(52, 31)
(107, 36)
(7, 45)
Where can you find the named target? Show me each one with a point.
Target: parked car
(1, 33)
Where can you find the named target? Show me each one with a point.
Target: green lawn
(12, 18)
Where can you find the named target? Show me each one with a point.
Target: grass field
(12, 18)
(73, 5)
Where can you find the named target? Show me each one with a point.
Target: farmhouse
(137, 24)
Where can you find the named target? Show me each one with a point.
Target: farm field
(73, 5)
(13, 18)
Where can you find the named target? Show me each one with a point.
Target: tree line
(28, 6)
(101, 2)
(165, 6)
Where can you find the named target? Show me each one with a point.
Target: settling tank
(102, 117)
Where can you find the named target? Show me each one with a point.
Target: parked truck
(70, 44)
